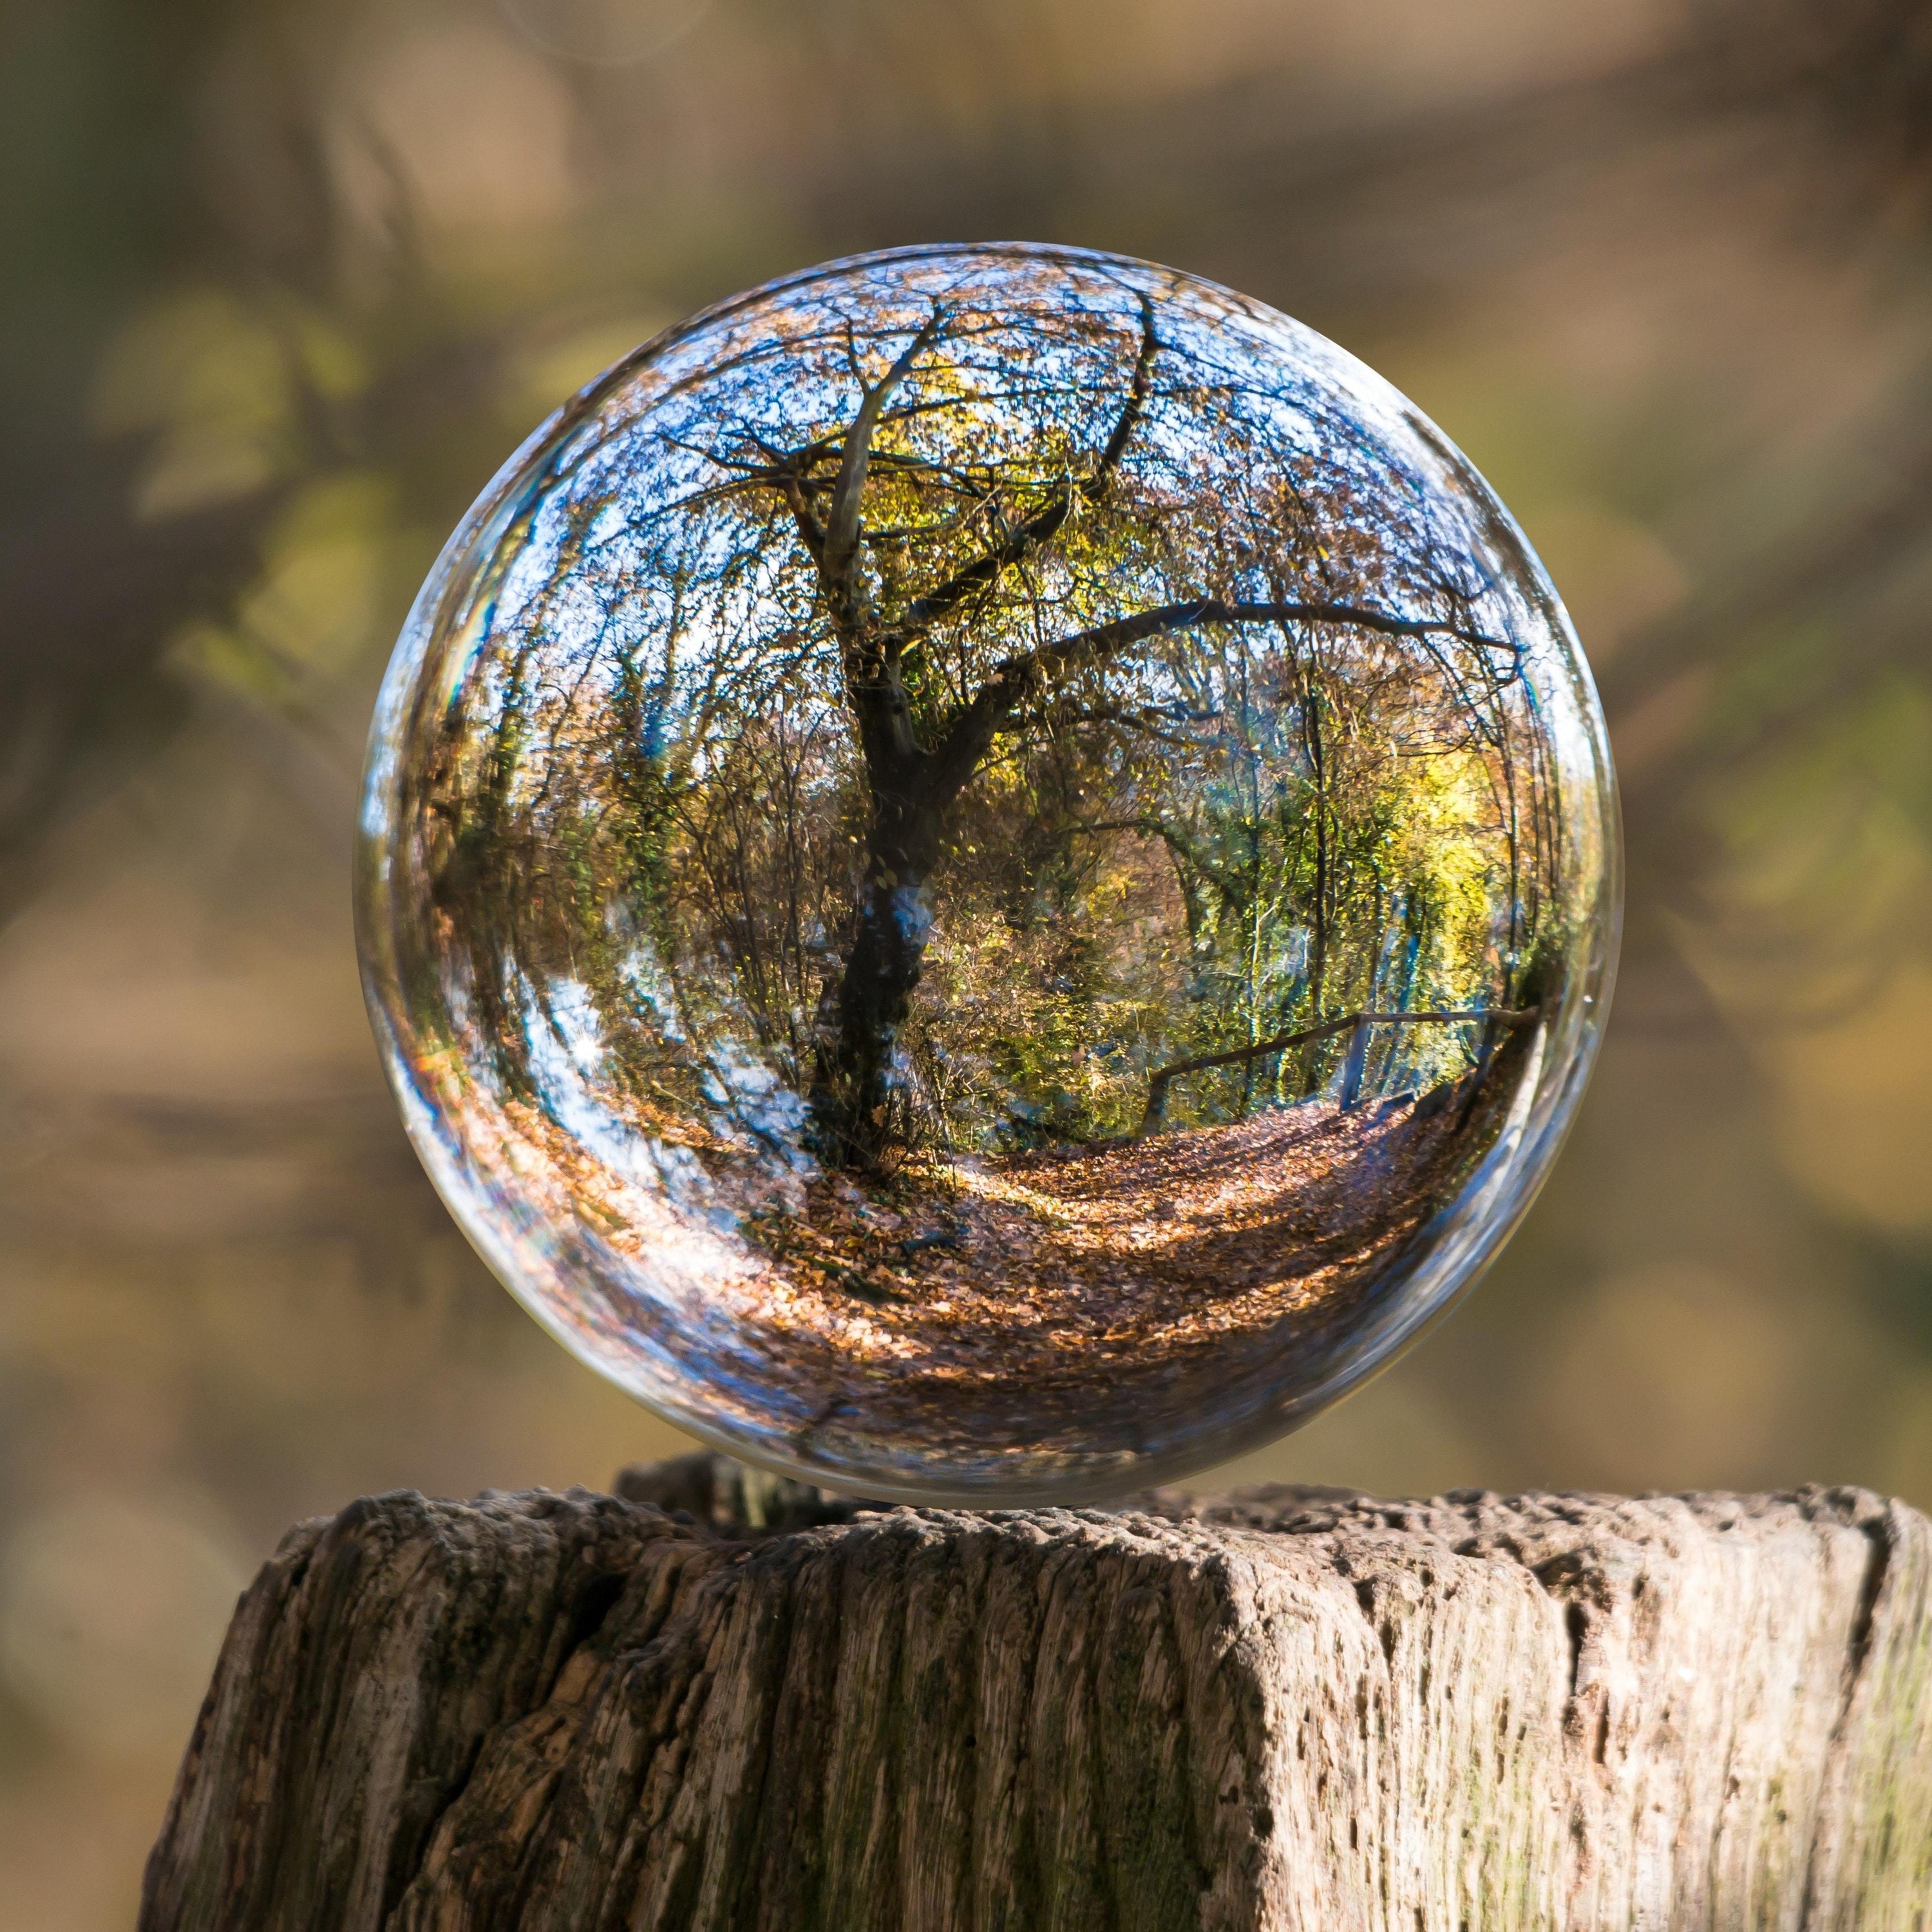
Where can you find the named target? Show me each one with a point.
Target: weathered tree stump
(756, 1706)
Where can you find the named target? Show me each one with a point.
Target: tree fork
(721, 1700)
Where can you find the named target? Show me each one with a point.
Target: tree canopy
(906, 709)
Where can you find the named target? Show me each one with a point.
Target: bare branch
(812, 531)
(1021, 678)
(1158, 1078)
(1045, 524)
(1135, 409)
(1146, 721)
(842, 524)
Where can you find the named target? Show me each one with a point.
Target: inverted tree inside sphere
(988, 873)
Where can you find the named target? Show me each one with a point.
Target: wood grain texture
(723, 1701)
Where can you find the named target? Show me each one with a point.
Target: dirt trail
(981, 1287)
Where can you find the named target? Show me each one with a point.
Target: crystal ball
(987, 873)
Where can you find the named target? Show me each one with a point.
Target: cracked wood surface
(721, 1700)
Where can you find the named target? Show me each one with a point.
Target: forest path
(973, 1299)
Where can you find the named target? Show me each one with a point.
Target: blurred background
(282, 282)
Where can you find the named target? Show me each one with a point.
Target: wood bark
(720, 1700)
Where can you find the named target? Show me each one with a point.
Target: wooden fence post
(718, 1700)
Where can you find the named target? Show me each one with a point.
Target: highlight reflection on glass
(988, 874)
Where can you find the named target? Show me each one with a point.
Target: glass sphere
(987, 873)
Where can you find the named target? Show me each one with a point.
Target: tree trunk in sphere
(856, 1081)
(721, 1700)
